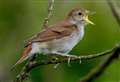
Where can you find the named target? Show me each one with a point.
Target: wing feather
(51, 33)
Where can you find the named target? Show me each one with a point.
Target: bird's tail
(24, 57)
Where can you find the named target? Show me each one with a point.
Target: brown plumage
(24, 55)
(57, 31)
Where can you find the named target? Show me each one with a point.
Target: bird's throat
(80, 30)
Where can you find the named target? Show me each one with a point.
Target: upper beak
(87, 20)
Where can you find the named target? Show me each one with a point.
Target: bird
(59, 38)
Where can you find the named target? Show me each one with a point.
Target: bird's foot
(56, 65)
(64, 55)
(69, 61)
(80, 60)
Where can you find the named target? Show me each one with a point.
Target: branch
(28, 67)
(96, 72)
(115, 10)
(50, 9)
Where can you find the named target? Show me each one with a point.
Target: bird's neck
(80, 26)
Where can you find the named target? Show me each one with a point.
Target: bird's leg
(80, 60)
(56, 65)
(65, 55)
(69, 61)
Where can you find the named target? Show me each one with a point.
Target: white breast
(66, 44)
(75, 38)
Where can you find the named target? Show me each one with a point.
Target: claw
(69, 61)
(80, 61)
(56, 65)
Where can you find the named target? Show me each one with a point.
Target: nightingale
(59, 38)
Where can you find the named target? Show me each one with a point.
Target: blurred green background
(20, 19)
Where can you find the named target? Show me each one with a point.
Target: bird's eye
(79, 13)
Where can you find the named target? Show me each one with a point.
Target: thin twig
(115, 10)
(50, 9)
(24, 73)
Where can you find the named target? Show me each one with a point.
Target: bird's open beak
(87, 20)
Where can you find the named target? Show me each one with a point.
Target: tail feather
(24, 57)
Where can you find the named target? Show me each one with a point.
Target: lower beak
(88, 21)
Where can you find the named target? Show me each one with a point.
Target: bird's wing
(44, 36)
(51, 33)
(54, 32)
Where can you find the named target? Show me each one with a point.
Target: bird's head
(79, 15)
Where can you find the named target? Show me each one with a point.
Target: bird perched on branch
(59, 38)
